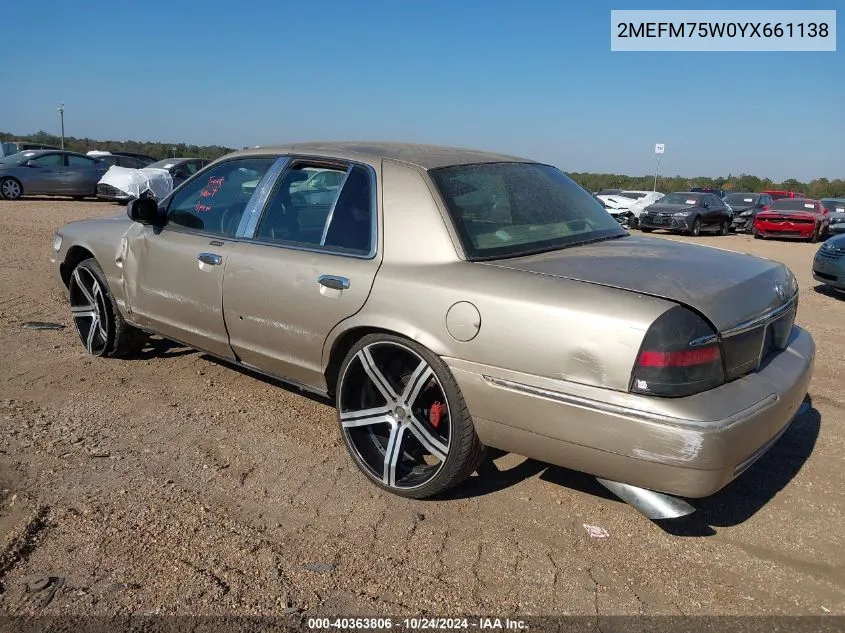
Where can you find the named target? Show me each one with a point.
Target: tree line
(818, 188)
(157, 150)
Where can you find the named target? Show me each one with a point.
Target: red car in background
(777, 195)
(797, 218)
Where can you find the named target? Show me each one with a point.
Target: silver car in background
(836, 208)
(50, 172)
(829, 263)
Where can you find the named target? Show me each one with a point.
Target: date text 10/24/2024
(417, 624)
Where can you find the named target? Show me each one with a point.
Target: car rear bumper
(691, 456)
(785, 230)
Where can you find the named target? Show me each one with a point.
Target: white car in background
(626, 206)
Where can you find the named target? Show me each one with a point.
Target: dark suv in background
(745, 207)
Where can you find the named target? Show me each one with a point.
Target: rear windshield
(740, 199)
(510, 209)
(793, 204)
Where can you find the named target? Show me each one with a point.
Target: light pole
(658, 149)
(62, 120)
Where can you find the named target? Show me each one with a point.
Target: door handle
(334, 282)
(212, 259)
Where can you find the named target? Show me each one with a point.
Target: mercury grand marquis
(450, 300)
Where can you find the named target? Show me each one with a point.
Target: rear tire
(387, 393)
(99, 323)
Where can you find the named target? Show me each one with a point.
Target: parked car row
(762, 214)
(116, 176)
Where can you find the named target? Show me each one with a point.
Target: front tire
(695, 231)
(814, 238)
(10, 189)
(99, 323)
(403, 418)
(723, 228)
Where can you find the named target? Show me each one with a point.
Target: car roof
(40, 152)
(424, 156)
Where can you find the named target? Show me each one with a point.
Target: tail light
(680, 356)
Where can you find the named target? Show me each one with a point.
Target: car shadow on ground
(156, 347)
(269, 380)
(827, 291)
(742, 498)
(734, 504)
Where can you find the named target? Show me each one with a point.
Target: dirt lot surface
(176, 484)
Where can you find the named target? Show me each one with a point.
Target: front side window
(512, 209)
(328, 208)
(214, 202)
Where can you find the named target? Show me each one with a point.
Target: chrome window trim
(249, 236)
(252, 213)
(763, 319)
(334, 204)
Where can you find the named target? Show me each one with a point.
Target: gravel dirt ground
(173, 483)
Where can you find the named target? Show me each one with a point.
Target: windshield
(681, 198)
(164, 164)
(17, 159)
(834, 205)
(793, 204)
(742, 199)
(510, 209)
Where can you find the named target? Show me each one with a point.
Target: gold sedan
(449, 300)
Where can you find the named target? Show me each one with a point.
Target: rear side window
(81, 161)
(322, 207)
(214, 202)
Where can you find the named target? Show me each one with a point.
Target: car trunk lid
(728, 288)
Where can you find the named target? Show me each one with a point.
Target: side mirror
(145, 211)
(705, 205)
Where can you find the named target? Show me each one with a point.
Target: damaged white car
(626, 206)
(121, 184)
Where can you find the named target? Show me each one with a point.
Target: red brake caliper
(434, 414)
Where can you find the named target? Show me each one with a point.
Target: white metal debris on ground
(596, 531)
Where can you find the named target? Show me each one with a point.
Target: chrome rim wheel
(10, 189)
(394, 415)
(88, 307)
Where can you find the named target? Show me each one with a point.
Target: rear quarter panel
(531, 323)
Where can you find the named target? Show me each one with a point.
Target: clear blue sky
(534, 78)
